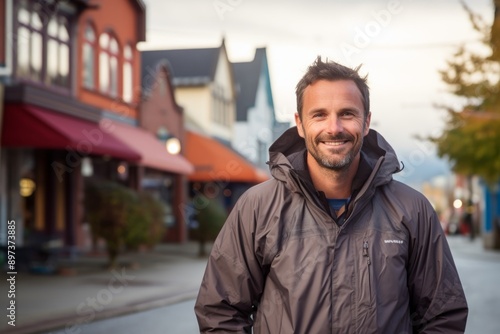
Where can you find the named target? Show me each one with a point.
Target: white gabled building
(256, 126)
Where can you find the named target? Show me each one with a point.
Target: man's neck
(333, 183)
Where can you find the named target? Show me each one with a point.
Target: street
(479, 271)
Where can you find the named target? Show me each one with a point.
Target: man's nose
(334, 124)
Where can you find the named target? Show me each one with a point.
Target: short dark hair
(331, 71)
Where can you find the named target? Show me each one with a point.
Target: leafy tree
(210, 215)
(471, 137)
(124, 218)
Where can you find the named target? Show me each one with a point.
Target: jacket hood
(288, 151)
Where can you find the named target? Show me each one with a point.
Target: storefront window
(21, 184)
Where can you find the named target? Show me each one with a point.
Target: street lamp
(172, 144)
(457, 204)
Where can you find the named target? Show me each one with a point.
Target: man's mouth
(334, 143)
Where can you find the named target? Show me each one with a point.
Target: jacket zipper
(350, 213)
(368, 261)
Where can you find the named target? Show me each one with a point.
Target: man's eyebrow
(353, 109)
(314, 110)
(344, 109)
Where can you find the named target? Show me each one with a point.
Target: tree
(210, 215)
(471, 137)
(124, 218)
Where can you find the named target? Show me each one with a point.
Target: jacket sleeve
(437, 300)
(233, 279)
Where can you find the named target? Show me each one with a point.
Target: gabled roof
(149, 80)
(189, 67)
(247, 76)
(214, 161)
(141, 24)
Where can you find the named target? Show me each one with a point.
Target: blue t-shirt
(336, 204)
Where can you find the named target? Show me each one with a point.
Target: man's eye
(346, 114)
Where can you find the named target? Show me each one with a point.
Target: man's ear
(367, 123)
(298, 122)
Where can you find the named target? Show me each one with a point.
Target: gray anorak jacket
(283, 263)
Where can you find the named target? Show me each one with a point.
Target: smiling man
(331, 244)
(333, 122)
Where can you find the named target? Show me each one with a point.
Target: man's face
(333, 123)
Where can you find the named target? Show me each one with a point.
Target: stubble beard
(337, 164)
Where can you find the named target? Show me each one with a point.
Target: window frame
(45, 15)
(130, 62)
(109, 56)
(94, 49)
(60, 21)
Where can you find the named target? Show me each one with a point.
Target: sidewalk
(61, 303)
(474, 249)
(169, 274)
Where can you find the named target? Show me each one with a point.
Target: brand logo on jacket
(393, 241)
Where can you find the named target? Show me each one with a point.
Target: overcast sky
(402, 45)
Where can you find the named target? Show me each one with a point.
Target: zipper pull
(365, 252)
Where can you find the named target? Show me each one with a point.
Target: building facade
(70, 72)
(205, 87)
(161, 116)
(256, 126)
(47, 133)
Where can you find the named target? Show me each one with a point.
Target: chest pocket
(381, 268)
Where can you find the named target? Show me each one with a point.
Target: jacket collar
(288, 153)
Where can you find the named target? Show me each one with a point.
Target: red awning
(154, 153)
(28, 126)
(213, 161)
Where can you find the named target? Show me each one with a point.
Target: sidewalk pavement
(169, 274)
(87, 291)
(474, 249)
